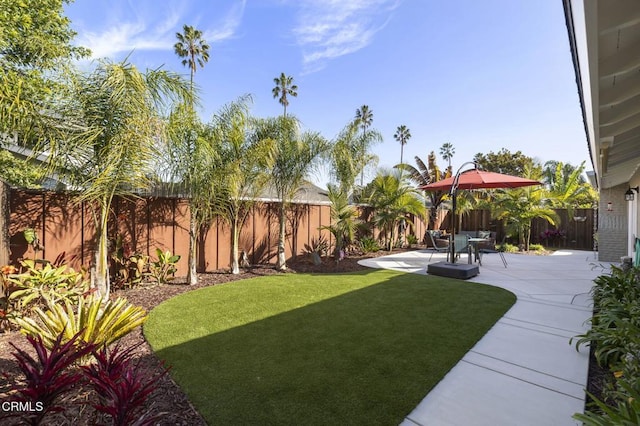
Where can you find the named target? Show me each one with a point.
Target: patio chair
(490, 247)
(461, 242)
(435, 247)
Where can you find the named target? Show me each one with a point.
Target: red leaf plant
(47, 377)
(122, 386)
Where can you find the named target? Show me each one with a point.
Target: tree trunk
(100, 275)
(235, 264)
(192, 274)
(281, 264)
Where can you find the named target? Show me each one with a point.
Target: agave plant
(97, 321)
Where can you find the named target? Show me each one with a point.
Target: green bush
(36, 285)
(536, 247)
(412, 239)
(508, 248)
(162, 270)
(368, 245)
(615, 335)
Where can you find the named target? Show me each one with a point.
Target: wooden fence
(64, 226)
(145, 224)
(571, 231)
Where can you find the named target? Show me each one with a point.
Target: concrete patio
(523, 371)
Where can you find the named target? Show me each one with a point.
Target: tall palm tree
(295, 155)
(193, 48)
(364, 116)
(117, 116)
(283, 89)
(244, 163)
(447, 151)
(350, 154)
(402, 135)
(195, 52)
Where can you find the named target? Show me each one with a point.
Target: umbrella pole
(452, 243)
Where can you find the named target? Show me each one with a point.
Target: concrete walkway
(523, 371)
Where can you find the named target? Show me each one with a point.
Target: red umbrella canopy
(480, 179)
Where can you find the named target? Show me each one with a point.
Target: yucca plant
(36, 285)
(97, 321)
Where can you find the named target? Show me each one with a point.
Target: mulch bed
(168, 398)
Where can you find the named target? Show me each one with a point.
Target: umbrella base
(461, 271)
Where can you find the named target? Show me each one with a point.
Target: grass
(359, 348)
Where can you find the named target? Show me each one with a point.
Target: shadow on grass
(367, 356)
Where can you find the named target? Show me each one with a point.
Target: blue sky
(482, 75)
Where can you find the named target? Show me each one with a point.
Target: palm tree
(350, 154)
(447, 151)
(192, 48)
(364, 116)
(425, 174)
(344, 219)
(295, 155)
(392, 200)
(195, 52)
(402, 135)
(244, 162)
(518, 207)
(117, 121)
(284, 88)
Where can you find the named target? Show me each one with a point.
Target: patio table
(475, 242)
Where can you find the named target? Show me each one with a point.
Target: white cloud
(229, 25)
(328, 29)
(144, 31)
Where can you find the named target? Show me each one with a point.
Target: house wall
(613, 225)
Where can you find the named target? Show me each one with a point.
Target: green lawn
(360, 348)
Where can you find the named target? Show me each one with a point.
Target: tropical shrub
(122, 386)
(47, 375)
(369, 245)
(128, 271)
(319, 247)
(615, 336)
(412, 239)
(508, 248)
(536, 247)
(97, 321)
(36, 285)
(162, 270)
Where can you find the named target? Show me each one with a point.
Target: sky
(481, 75)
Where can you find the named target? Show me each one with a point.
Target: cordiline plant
(95, 320)
(47, 375)
(122, 386)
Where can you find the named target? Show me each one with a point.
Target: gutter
(568, 16)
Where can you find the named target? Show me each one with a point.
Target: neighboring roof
(307, 194)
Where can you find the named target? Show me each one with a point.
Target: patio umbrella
(474, 179)
(479, 179)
